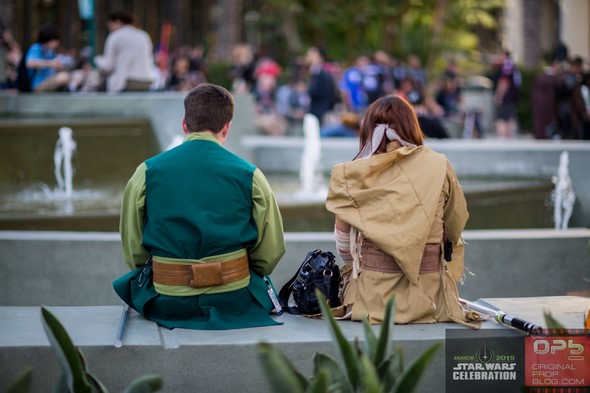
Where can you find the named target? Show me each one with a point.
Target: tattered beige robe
(399, 200)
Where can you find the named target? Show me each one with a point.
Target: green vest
(198, 202)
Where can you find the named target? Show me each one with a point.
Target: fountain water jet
(310, 173)
(563, 194)
(64, 149)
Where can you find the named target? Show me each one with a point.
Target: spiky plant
(75, 377)
(373, 368)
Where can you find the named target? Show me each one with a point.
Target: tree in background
(430, 29)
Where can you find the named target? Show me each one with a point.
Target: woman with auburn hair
(400, 212)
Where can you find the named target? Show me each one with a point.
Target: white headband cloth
(378, 132)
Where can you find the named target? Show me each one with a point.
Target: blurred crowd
(335, 92)
(129, 63)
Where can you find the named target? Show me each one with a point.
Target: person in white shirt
(128, 59)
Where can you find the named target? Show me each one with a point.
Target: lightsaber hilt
(122, 326)
(519, 324)
(505, 318)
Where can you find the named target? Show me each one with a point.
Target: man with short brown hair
(208, 223)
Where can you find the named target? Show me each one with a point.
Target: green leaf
(66, 353)
(370, 378)
(551, 322)
(411, 376)
(97, 386)
(83, 364)
(337, 376)
(347, 351)
(370, 339)
(390, 370)
(319, 384)
(383, 345)
(145, 384)
(22, 382)
(280, 373)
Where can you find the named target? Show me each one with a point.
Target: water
(312, 185)
(563, 195)
(62, 159)
(63, 200)
(176, 141)
(107, 151)
(39, 200)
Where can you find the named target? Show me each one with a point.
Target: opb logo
(554, 346)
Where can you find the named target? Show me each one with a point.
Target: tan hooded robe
(399, 201)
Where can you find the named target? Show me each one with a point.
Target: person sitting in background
(416, 72)
(182, 78)
(10, 54)
(430, 125)
(373, 80)
(45, 68)
(243, 65)
(268, 118)
(85, 78)
(128, 59)
(351, 86)
(348, 126)
(450, 84)
(448, 96)
(397, 206)
(292, 103)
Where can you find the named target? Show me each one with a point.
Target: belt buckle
(206, 275)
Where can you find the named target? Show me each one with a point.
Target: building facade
(533, 29)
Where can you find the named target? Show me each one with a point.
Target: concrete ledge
(163, 109)
(77, 268)
(469, 157)
(221, 361)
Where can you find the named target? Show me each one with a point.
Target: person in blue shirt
(45, 67)
(352, 85)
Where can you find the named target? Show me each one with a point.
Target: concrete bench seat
(220, 361)
(77, 268)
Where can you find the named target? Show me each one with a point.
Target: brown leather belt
(200, 275)
(376, 260)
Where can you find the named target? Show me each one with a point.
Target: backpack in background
(318, 270)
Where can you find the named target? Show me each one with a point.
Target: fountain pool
(109, 149)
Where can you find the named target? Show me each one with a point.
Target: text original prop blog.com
(506, 360)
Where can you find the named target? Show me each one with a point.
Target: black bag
(23, 81)
(318, 270)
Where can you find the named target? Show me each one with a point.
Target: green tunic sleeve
(132, 219)
(270, 245)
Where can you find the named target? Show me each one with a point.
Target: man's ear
(184, 127)
(225, 129)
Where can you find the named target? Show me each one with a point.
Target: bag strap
(285, 294)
